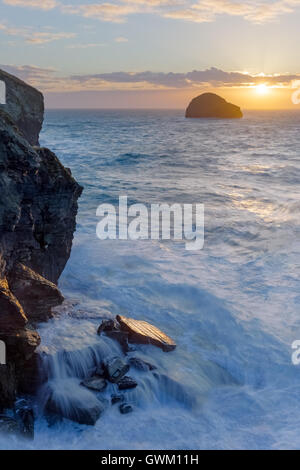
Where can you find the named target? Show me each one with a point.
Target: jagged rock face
(37, 293)
(38, 207)
(12, 315)
(210, 105)
(25, 106)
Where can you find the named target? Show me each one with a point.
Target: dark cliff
(210, 105)
(25, 106)
(38, 207)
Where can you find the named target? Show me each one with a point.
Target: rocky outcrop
(25, 106)
(38, 294)
(38, 206)
(210, 105)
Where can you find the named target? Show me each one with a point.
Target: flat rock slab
(142, 332)
(94, 383)
(127, 383)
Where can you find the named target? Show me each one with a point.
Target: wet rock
(112, 329)
(117, 399)
(115, 369)
(37, 221)
(8, 386)
(139, 364)
(95, 383)
(108, 325)
(8, 425)
(142, 332)
(25, 416)
(121, 337)
(12, 315)
(25, 106)
(21, 344)
(53, 419)
(127, 383)
(71, 406)
(100, 371)
(38, 294)
(32, 375)
(20, 374)
(210, 105)
(125, 409)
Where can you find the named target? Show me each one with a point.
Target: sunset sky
(154, 53)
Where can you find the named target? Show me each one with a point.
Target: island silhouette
(210, 105)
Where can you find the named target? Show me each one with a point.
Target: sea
(232, 307)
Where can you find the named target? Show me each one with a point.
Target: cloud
(210, 77)
(35, 37)
(86, 46)
(40, 4)
(198, 11)
(113, 13)
(255, 11)
(121, 39)
(45, 37)
(49, 80)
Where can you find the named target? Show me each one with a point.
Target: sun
(262, 89)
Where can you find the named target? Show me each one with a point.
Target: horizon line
(50, 108)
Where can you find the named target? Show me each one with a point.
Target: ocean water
(232, 308)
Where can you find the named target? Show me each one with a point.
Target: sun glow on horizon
(262, 89)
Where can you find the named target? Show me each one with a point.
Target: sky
(154, 53)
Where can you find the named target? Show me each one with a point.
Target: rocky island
(210, 105)
(38, 207)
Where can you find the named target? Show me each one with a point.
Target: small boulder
(95, 383)
(117, 399)
(77, 405)
(25, 416)
(107, 325)
(139, 364)
(100, 370)
(115, 369)
(125, 408)
(9, 425)
(127, 383)
(142, 332)
(112, 329)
